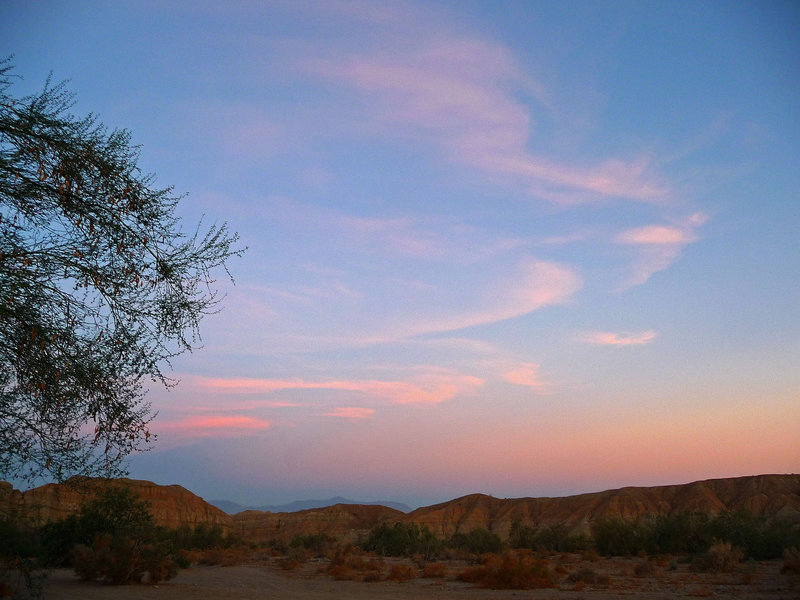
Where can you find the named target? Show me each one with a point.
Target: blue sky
(520, 248)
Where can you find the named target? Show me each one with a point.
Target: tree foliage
(100, 287)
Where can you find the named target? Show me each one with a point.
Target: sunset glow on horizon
(522, 248)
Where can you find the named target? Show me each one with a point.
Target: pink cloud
(656, 234)
(526, 374)
(658, 246)
(429, 388)
(535, 285)
(351, 412)
(605, 338)
(214, 425)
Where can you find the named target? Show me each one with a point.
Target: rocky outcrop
(347, 522)
(171, 505)
(762, 495)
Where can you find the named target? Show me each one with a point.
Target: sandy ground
(266, 581)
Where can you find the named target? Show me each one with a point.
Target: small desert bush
(343, 572)
(298, 554)
(294, 559)
(346, 564)
(435, 570)
(119, 561)
(509, 571)
(587, 575)
(225, 557)
(373, 570)
(721, 557)
(158, 566)
(401, 572)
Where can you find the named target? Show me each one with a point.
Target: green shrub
(682, 533)
(402, 539)
(477, 541)
(551, 538)
(617, 537)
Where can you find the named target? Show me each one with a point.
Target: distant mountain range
(232, 507)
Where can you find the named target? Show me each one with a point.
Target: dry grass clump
(343, 572)
(509, 571)
(435, 570)
(295, 558)
(401, 572)
(721, 557)
(347, 565)
(373, 570)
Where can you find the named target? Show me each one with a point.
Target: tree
(100, 287)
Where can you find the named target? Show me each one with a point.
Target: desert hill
(344, 521)
(762, 495)
(170, 505)
(173, 505)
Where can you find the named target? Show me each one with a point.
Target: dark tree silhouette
(99, 288)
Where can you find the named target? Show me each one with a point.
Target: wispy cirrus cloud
(213, 425)
(425, 388)
(351, 412)
(607, 338)
(658, 246)
(462, 94)
(536, 284)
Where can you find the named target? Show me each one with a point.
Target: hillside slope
(762, 495)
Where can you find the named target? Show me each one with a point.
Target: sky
(521, 248)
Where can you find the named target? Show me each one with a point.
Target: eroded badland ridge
(173, 506)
